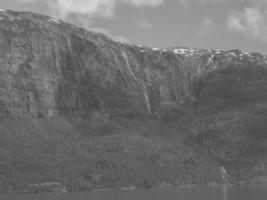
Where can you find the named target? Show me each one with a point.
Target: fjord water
(256, 191)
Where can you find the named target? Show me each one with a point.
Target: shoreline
(163, 185)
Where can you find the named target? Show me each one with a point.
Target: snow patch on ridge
(233, 54)
(54, 20)
(237, 56)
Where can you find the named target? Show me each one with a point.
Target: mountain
(85, 111)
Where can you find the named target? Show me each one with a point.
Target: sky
(217, 24)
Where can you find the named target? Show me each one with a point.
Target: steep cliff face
(152, 115)
(51, 68)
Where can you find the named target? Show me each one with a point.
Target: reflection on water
(225, 192)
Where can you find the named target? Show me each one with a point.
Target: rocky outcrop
(50, 68)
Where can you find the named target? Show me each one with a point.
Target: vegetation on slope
(85, 155)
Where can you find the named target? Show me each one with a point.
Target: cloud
(145, 2)
(259, 4)
(145, 24)
(207, 26)
(82, 12)
(63, 8)
(251, 22)
(92, 8)
(187, 2)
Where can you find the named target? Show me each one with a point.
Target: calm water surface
(242, 192)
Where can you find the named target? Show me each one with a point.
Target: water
(240, 192)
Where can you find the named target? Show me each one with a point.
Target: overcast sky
(219, 24)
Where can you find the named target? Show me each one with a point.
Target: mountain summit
(183, 112)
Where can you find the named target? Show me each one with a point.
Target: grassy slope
(123, 152)
(233, 128)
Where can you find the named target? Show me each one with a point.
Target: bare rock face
(50, 68)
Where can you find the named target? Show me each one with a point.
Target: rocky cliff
(55, 78)
(51, 68)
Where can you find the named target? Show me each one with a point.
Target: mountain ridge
(133, 61)
(83, 110)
